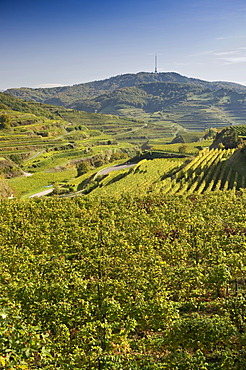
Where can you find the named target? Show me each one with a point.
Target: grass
(25, 186)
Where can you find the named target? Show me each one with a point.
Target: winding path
(104, 171)
(117, 167)
(41, 193)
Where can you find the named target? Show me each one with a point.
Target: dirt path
(104, 171)
(118, 167)
(41, 193)
(27, 174)
(35, 155)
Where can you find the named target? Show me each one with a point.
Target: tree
(183, 149)
(82, 168)
(5, 121)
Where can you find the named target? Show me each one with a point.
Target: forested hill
(69, 94)
(187, 102)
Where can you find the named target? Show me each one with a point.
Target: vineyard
(240, 130)
(48, 149)
(209, 170)
(140, 266)
(142, 283)
(137, 180)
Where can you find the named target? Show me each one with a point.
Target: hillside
(166, 99)
(136, 268)
(68, 94)
(120, 128)
(188, 105)
(49, 142)
(57, 145)
(181, 169)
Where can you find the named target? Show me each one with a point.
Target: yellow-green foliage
(140, 179)
(189, 148)
(32, 184)
(210, 170)
(136, 283)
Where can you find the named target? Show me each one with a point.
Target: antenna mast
(156, 71)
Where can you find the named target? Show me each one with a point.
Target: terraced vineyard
(206, 172)
(195, 115)
(240, 130)
(50, 145)
(237, 112)
(137, 180)
(210, 170)
(50, 148)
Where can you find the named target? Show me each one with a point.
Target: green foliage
(130, 284)
(82, 168)
(210, 134)
(5, 121)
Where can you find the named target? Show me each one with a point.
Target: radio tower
(156, 71)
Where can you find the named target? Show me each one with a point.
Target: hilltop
(166, 98)
(67, 94)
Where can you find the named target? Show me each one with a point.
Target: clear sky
(48, 43)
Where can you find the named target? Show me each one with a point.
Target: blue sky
(50, 43)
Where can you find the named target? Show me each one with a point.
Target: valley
(135, 113)
(123, 231)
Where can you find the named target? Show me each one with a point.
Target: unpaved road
(107, 170)
(41, 193)
(27, 174)
(104, 171)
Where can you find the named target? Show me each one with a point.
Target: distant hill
(169, 98)
(66, 95)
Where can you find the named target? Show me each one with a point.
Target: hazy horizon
(56, 43)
